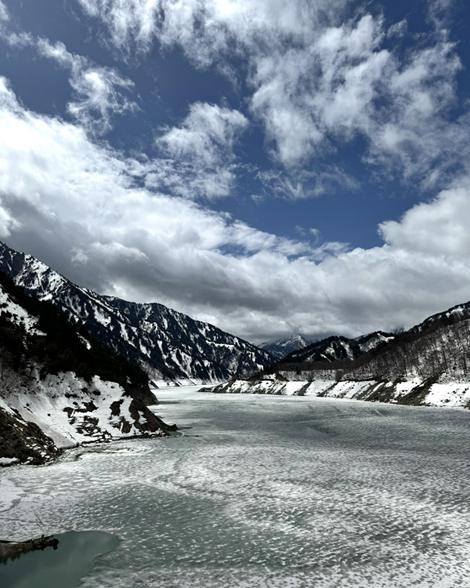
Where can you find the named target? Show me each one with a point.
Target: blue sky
(269, 167)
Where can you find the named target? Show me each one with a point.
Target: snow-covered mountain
(448, 317)
(60, 387)
(429, 365)
(170, 346)
(282, 347)
(337, 347)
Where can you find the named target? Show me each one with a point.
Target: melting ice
(264, 492)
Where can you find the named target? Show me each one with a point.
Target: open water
(262, 491)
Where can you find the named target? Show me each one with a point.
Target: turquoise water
(60, 568)
(262, 491)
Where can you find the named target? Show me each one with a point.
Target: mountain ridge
(279, 348)
(172, 347)
(338, 347)
(59, 387)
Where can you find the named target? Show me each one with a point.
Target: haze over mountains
(171, 347)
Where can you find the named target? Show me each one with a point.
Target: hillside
(170, 346)
(429, 364)
(60, 387)
(338, 348)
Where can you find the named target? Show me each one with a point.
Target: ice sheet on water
(10, 494)
(275, 492)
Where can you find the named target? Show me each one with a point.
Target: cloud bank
(321, 75)
(77, 205)
(320, 78)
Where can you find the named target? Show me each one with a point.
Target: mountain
(427, 365)
(60, 387)
(337, 347)
(282, 347)
(170, 346)
(448, 317)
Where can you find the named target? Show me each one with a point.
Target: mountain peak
(282, 347)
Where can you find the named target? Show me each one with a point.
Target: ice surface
(262, 491)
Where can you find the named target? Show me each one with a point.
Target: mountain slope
(170, 346)
(60, 387)
(282, 347)
(337, 347)
(429, 364)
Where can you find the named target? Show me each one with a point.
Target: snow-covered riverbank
(441, 392)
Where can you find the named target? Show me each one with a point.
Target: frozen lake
(260, 491)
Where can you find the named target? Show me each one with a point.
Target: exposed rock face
(24, 442)
(170, 346)
(39, 418)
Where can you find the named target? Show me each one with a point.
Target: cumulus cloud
(198, 160)
(318, 79)
(201, 151)
(439, 227)
(77, 206)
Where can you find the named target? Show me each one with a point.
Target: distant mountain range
(282, 347)
(171, 347)
(337, 347)
(429, 364)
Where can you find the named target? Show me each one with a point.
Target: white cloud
(8, 99)
(200, 152)
(318, 80)
(11, 37)
(205, 28)
(305, 183)
(74, 204)
(440, 12)
(439, 227)
(99, 91)
(4, 16)
(205, 133)
(59, 53)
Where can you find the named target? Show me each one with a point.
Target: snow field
(72, 411)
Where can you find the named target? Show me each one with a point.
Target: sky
(269, 167)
